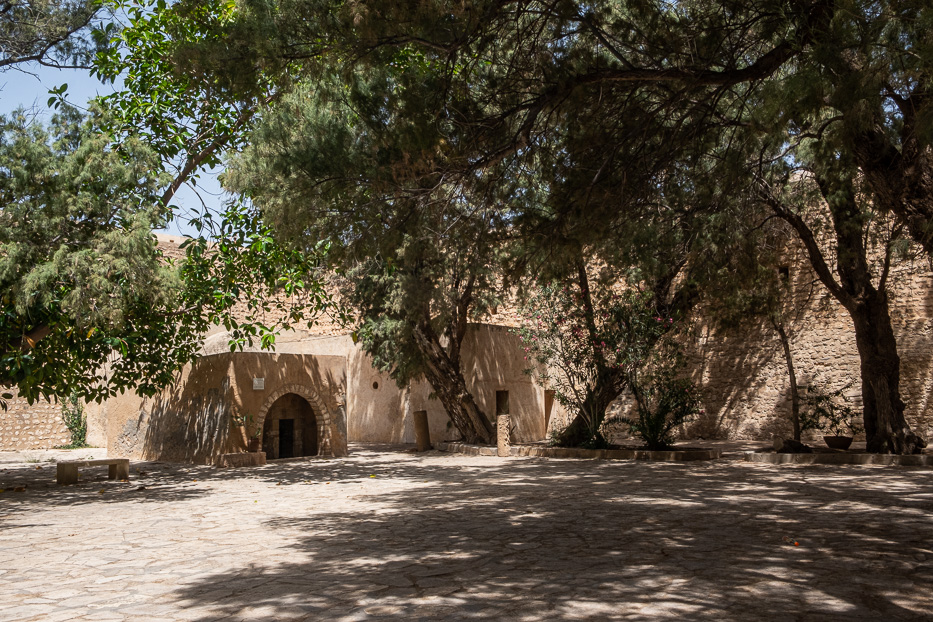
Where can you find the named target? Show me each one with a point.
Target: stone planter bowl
(838, 442)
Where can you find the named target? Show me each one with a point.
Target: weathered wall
(377, 410)
(36, 426)
(743, 373)
(493, 360)
(192, 420)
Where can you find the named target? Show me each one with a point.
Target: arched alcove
(307, 434)
(290, 428)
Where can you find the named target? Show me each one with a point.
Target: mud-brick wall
(36, 426)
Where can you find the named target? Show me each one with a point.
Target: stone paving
(389, 534)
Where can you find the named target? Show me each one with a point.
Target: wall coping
(839, 458)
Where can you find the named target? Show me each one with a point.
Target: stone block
(503, 441)
(242, 459)
(422, 431)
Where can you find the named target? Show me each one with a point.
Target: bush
(582, 345)
(75, 421)
(829, 411)
(663, 402)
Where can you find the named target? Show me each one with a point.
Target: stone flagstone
(393, 534)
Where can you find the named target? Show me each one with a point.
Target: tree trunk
(608, 386)
(794, 394)
(886, 428)
(584, 426)
(448, 383)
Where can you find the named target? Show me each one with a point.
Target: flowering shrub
(584, 347)
(663, 402)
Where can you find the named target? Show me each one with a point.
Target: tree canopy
(81, 275)
(636, 131)
(55, 33)
(603, 120)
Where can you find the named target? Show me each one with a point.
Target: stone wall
(492, 361)
(743, 373)
(36, 426)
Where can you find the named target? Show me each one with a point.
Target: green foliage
(237, 276)
(643, 132)
(188, 116)
(81, 276)
(53, 33)
(90, 306)
(663, 402)
(247, 422)
(585, 351)
(76, 422)
(829, 411)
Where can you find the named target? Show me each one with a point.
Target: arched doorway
(290, 428)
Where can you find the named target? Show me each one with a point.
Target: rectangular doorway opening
(286, 438)
(502, 403)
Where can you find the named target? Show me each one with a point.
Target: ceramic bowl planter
(838, 442)
(253, 444)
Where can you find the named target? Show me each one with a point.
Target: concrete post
(503, 442)
(422, 433)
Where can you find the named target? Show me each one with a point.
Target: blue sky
(28, 87)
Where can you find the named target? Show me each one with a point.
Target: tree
(662, 94)
(420, 262)
(586, 346)
(81, 273)
(414, 312)
(191, 118)
(91, 307)
(54, 33)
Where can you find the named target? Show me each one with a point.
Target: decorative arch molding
(324, 418)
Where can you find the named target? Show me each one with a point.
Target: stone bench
(68, 470)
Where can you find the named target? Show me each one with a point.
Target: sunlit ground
(392, 534)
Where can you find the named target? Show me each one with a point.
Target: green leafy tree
(421, 262)
(190, 117)
(91, 307)
(612, 108)
(82, 277)
(585, 346)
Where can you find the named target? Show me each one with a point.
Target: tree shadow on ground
(535, 539)
(32, 487)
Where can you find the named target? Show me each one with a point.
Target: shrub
(583, 345)
(829, 411)
(76, 422)
(663, 402)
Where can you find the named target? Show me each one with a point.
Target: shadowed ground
(389, 534)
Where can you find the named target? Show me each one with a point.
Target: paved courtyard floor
(389, 534)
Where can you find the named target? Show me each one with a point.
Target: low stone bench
(248, 459)
(68, 470)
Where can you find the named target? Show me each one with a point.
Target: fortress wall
(192, 421)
